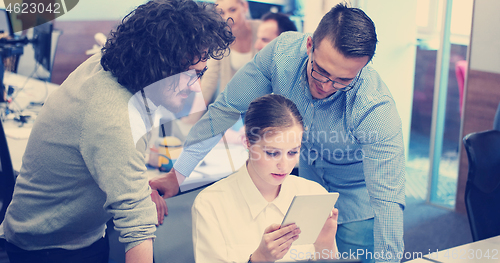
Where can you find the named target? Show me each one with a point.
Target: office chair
(482, 191)
(7, 176)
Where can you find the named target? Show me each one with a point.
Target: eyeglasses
(335, 84)
(195, 77)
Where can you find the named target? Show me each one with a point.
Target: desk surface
(487, 250)
(215, 165)
(29, 90)
(173, 241)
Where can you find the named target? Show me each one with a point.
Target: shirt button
(307, 128)
(312, 105)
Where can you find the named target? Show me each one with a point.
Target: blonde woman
(238, 218)
(220, 72)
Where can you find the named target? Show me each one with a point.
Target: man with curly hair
(82, 164)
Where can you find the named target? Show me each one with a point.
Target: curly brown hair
(162, 38)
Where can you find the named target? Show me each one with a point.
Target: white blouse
(230, 216)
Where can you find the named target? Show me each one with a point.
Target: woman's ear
(244, 141)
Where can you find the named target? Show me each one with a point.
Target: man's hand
(168, 185)
(326, 238)
(275, 242)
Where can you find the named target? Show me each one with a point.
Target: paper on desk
(18, 133)
(214, 166)
(217, 163)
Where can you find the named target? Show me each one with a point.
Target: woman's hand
(326, 238)
(275, 243)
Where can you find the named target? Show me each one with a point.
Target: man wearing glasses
(170, 93)
(84, 163)
(352, 141)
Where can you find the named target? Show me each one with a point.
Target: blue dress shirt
(352, 141)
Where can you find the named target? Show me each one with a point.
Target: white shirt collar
(254, 199)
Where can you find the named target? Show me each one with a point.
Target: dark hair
(350, 30)
(283, 21)
(269, 113)
(162, 38)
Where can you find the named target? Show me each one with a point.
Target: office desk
(487, 250)
(34, 90)
(215, 165)
(173, 241)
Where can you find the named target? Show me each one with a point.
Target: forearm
(140, 253)
(192, 154)
(384, 168)
(222, 114)
(388, 230)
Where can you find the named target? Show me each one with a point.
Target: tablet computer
(309, 213)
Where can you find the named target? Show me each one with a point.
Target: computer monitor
(5, 27)
(5, 22)
(42, 43)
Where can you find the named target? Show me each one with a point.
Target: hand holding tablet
(309, 213)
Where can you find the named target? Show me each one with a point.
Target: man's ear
(309, 45)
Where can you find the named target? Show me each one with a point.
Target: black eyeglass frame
(194, 78)
(345, 87)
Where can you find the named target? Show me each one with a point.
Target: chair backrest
(7, 177)
(482, 192)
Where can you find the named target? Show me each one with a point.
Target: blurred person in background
(273, 24)
(242, 50)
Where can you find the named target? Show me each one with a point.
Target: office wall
(96, 10)
(76, 38)
(482, 90)
(485, 41)
(80, 25)
(395, 57)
